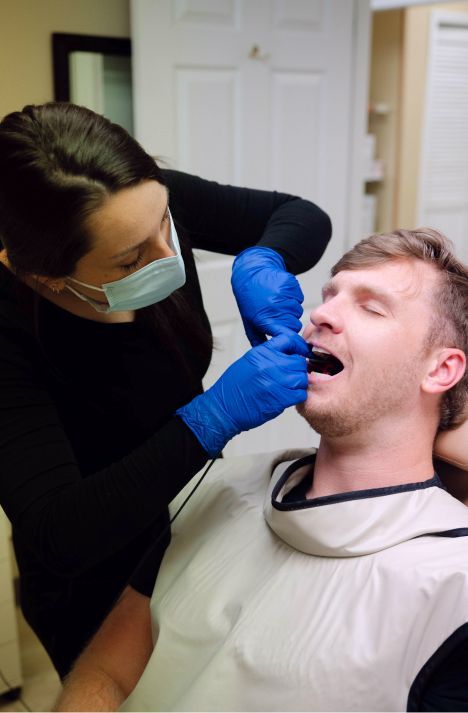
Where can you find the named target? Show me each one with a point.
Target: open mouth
(323, 362)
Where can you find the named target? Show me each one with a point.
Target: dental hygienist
(104, 342)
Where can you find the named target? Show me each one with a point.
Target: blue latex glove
(253, 390)
(269, 298)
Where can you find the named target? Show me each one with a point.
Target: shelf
(374, 171)
(379, 109)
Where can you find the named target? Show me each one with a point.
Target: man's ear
(446, 369)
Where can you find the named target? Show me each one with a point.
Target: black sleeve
(144, 576)
(71, 522)
(227, 220)
(447, 687)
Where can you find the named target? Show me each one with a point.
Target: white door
(262, 93)
(443, 196)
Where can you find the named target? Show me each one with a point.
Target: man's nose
(327, 316)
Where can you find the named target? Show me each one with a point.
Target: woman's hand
(269, 298)
(253, 390)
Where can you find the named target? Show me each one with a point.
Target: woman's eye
(132, 265)
(165, 218)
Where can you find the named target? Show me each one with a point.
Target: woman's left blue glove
(256, 388)
(268, 296)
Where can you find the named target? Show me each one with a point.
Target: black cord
(10, 687)
(164, 532)
(190, 494)
(161, 535)
(205, 472)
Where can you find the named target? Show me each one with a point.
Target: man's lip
(315, 377)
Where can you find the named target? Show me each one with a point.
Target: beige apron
(335, 606)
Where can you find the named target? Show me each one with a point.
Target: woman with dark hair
(104, 342)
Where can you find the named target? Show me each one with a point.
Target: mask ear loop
(85, 284)
(98, 306)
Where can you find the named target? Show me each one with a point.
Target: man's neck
(362, 462)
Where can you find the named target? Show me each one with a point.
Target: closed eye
(132, 265)
(129, 267)
(373, 310)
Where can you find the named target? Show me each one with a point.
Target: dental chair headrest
(452, 446)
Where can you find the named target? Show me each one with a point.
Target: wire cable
(161, 535)
(11, 688)
(192, 492)
(164, 532)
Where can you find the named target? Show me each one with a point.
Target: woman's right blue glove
(253, 390)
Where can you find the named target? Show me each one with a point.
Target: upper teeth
(319, 349)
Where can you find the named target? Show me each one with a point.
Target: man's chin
(328, 424)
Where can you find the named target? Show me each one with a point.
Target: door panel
(197, 145)
(294, 161)
(443, 198)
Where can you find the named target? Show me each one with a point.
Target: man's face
(376, 322)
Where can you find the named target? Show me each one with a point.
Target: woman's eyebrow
(138, 245)
(128, 250)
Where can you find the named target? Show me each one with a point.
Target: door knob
(255, 53)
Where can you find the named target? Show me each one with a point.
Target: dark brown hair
(449, 326)
(58, 163)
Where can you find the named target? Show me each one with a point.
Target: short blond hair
(449, 326)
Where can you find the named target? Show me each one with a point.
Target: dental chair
(451, 460)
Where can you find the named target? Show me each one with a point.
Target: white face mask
(144, 287)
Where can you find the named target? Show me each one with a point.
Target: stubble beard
(388, 392)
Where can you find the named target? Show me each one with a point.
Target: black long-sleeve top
(90, 451)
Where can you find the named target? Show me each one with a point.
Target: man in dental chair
(334, 579)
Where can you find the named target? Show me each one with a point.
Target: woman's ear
(55, 284)
(446, 369)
